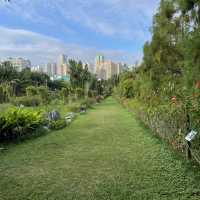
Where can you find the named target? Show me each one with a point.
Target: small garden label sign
(190, 136)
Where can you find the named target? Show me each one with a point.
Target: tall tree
(7, 72)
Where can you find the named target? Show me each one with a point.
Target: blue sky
(40, 30)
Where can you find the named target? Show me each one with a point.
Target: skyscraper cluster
(56, 70)
(103, 69)
(106, 69)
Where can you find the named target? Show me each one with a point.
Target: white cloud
(124, 19)
(41, 49)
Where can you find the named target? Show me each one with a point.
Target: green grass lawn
(5, 106)
(104, 155)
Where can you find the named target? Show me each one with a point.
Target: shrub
(74, 107)
(79, 93)
(58, 124)
(127, 88)
(43, 92)
(99, 99)
(92, 93)
(6, 92)
(107, 92)
(55, 95)
(27, 101)
(17, 123)
(31, 91)
(167, 121)
(88, 102)
(65, 94)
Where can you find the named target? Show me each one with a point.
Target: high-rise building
(120, 68)
(99, 59)
(37, 68)
(51, 69)
(62, 67)
(54, 68)
(111, 69)
(99, 65)
(62, 59)
(106, 69)
(20, 63)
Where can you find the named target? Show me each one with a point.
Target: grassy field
(104, 155)
(5, 106)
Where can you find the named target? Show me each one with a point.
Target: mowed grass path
(105, 154)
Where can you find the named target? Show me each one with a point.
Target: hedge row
(166, 121)
(17, 123)
(21, 122)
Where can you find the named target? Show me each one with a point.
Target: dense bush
(99, 98)
(74, 107)
(166, 85)
(17, 123)
(127, 88)
(65, 92)
(6, 92)
(57, 124)
(27, 101)
(167, 121)
(88, 102)
(31, 91)
(44, 94)
(92, 93)
(79, 93)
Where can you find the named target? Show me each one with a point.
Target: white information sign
(190, 136)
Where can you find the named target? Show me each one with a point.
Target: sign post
(189, 137)
(188, 151)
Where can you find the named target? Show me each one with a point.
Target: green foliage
(109, 149)
(19, 81)
(7, 72)
(16, 123)
(79, 93)
(79, 74)
(6, 92)
(127, 88)
(80, 77)
(43, 92)
(31, 91)
(29, 78)
(26, 82)
(92, 93)
(58, 124)
(167, 83)
(65, 92)
(74, 107)
(28, 101)
(88, 102)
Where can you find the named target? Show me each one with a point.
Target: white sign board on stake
(190, 136)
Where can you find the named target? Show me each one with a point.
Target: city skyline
(118, 29)
(60, 69)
